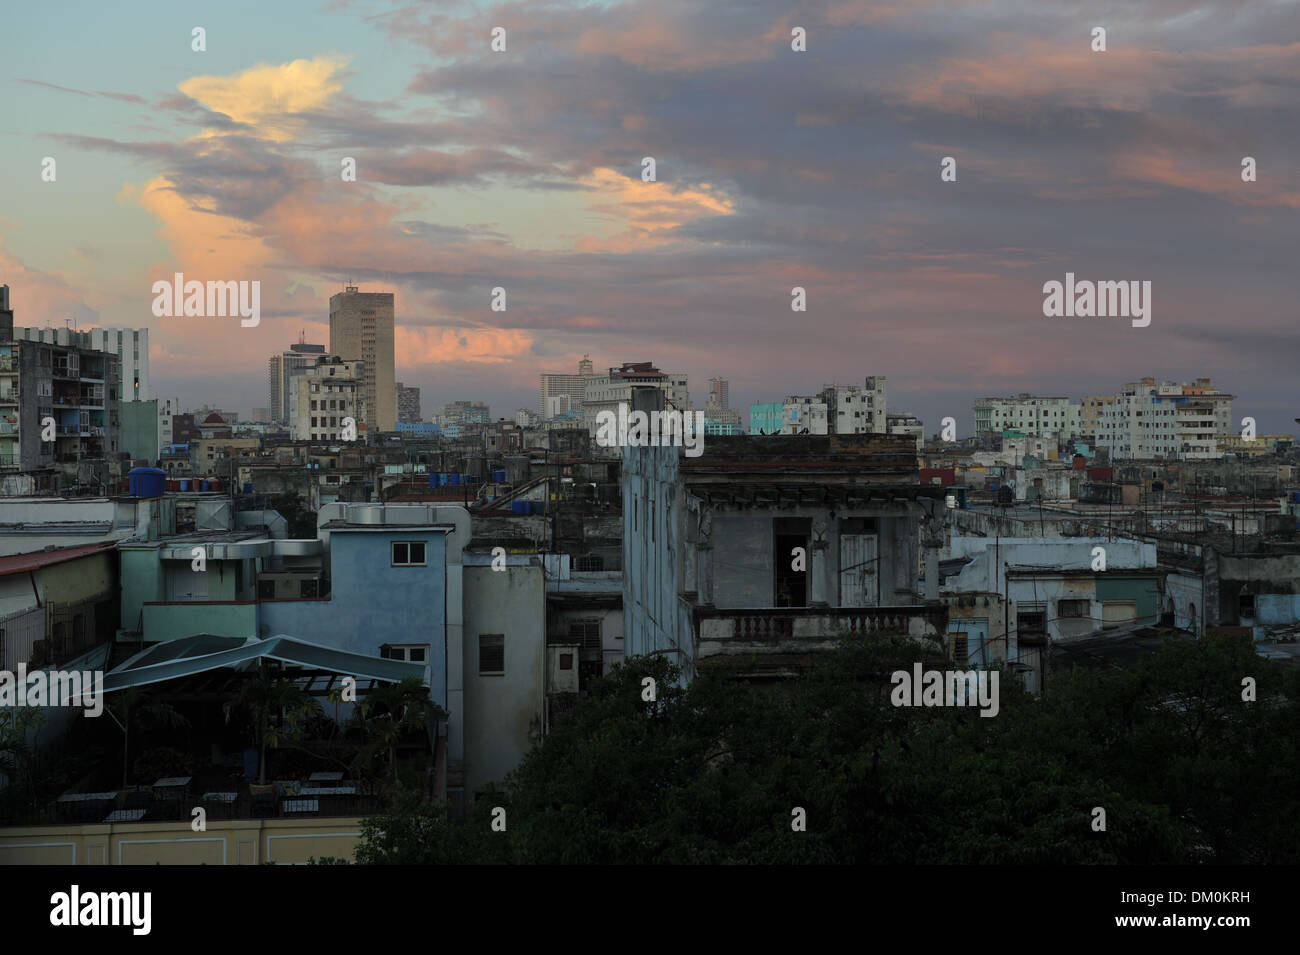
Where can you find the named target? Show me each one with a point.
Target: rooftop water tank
(146, 482)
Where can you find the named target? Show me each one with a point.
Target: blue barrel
(499, 477)
(185, 485)
(433, 479)
(519, 507)
(205, 485)
(453, 479)
(248, 488)
(146, 482)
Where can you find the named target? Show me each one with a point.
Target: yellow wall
(226, 842)
(77, 580)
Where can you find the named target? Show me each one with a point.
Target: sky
(774, 168)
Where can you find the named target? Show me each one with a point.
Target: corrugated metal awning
(205, 652)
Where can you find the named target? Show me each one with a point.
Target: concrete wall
(655, 618)
(142, 581)
(503, 713)
(139, 429)
(237, 842)
(178, 620)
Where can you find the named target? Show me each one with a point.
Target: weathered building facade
(762, 550)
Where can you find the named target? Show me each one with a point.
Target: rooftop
(23, 563)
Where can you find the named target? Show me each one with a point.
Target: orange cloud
(1180, 171)
(422, 345)
(267, 97)
(650, 211)
(201, 241)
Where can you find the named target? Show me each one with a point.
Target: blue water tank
(146, 482)
(519, 507)
(185, 485)
(248, 488)
(499, 477)
(538, 507)
(205, 485)
(453, 479)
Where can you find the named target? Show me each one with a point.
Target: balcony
(801, 629)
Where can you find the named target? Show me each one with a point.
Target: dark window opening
(791, 551)
(491, 653)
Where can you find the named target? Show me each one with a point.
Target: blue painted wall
(373, 603)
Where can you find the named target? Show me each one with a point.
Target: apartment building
(284, 366)
(1147, 420)
(130, 345)
(408, 404)
(563, 386)
(804, 414)
(1032, 414)
(607, 392)
(65, 393)
(362, 329)
(854, 410)
(323, 396)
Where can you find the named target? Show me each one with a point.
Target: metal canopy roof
(205, 652)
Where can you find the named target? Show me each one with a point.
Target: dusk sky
(775, 168)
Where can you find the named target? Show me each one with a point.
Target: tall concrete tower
(361, 327)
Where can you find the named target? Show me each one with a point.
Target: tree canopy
(1184, 768)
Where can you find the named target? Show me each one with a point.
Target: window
(1245, 606)
(491, 653)
(1031, 623)
(1072, 608)
(408, 553)
(586, 633)
(566, 661)
(411, 653)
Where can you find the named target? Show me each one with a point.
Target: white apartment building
(556, 386)
(323, 396)
(802, 414)
(168, 408)
(1032, 414)
(1171, 421)
(607, 392)
(130, 345)
(854, 410)
(908, 424)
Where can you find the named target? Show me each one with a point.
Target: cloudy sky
(775, 168)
